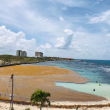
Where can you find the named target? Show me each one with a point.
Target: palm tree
(40, 96)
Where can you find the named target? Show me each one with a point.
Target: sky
(79, 29)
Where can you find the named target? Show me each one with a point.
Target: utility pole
(12, 94)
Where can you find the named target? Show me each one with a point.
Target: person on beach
(99, 85)
(93, 89)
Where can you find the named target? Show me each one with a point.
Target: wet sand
(29, 78)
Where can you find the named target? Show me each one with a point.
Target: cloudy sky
(62, 28)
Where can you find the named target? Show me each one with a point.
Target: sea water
(103, 90)
(98, 71)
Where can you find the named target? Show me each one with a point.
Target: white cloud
(85, 45)
(65, 42)
(46, 26)
(103, 17)
(11, 41)
(90, 45)
(69, 32)
(46, 49)
(60, 43)
(61, 18)
(32, 18)
(46, 46)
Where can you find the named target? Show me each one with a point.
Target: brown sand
(29, 78)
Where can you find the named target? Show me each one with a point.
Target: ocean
(98, 71)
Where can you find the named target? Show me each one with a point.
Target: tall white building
(38, 54)
(21, 53)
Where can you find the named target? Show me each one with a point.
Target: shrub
(27, 109)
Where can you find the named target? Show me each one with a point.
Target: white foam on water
(106, 69)
(103, 90)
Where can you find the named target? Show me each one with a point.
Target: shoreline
(16, 64)
(29, 78)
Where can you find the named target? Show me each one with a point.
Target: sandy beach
(29, 78)
(6, 106)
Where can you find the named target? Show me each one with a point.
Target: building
(18, 53)
(38, 54)
(21, 53)
(24, 53)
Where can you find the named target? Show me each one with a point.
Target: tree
(40, 96)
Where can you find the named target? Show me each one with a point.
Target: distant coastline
(16, 64)
(10, 60)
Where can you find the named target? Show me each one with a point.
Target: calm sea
(95, 70)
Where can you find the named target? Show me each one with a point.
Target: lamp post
(12, 93)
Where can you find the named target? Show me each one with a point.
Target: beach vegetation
(12, 109)
(11, 59)
(27, 109)
(40, 96)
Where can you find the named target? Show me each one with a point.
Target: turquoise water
(103, 90)
(95, 70)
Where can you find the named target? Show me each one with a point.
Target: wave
(106, 69)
